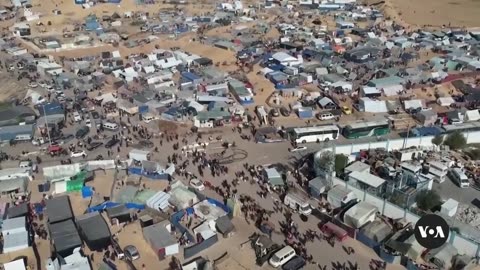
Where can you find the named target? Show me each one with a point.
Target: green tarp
(74, 185)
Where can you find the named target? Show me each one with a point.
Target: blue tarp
(87, 192)
(143, 109)
(107, 205)
(175, 220)
(190, 76)
(156, 176)
(219, 204)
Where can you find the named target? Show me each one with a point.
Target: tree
(341, 162)
(325, 162)
(427, 200)
(437, 140)
(455, 140)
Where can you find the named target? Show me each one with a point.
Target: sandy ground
(435, 13)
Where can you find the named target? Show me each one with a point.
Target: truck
(298, 202)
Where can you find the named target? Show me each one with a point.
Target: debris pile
(468, 215)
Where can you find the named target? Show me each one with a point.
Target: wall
(191, 251)
(396, 144)
(463, 245)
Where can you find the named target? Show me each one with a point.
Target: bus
(313, 134)
(366, 129)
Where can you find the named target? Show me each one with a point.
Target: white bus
(314, 134)
(459, 178)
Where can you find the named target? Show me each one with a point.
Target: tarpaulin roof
(59, 209)
(65, 237)
(93, 230)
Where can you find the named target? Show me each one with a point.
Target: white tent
(445, 101)
(159, 201)
(472, 115)
(138, 155)
(15, 265)
(373, 106)
(15, 241)
(36, 97)
(392, 90)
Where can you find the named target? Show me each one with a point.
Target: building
(367, 181)
(240, 92)
(14, 115)
(17, 133)
(160, 239)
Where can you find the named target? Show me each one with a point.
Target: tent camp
(59, 209)
(94, 231)
(65, 238)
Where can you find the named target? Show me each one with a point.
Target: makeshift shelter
(18, 210)
(445, 101)
(68, 186)
(59, 209)
(472, 115)
(14, 225)
(427, 117)
(224, 226)
(138, 155)
(15, 265)
(15, 241)
(372, 106)
(442, 256)
(360, 214)
(182, 198)
(317, 186)
(274, 177)
(159, 201)
(160, 239)
(64, 236)
(94, 231)
(120, 213)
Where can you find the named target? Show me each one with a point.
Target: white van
(325, 116)
(297, 202)
(459, 178)
(110, 125)
(282, 256)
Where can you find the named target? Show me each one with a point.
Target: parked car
(111, 143)
(274, 112)
(284, 111)
(88, 123)
(94, 145)
(197, 184)
(78, 153)
(131, 253)
(296, 263)
(346, 110)
(32, 85)
(95, 115)
(82, 132)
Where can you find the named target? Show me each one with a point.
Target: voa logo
(431, 231)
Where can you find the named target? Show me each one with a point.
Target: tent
(18, 211)
(15, 265)
(68, 186)
(94, 231)
(65, 237)
(159, 201)
(15, 241)
(138, 155)
(14, 225)
(120, 212)
(274, 177)
(472, 115)
(373, 106)
(59, 209)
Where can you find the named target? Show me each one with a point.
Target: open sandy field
(434, 13)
